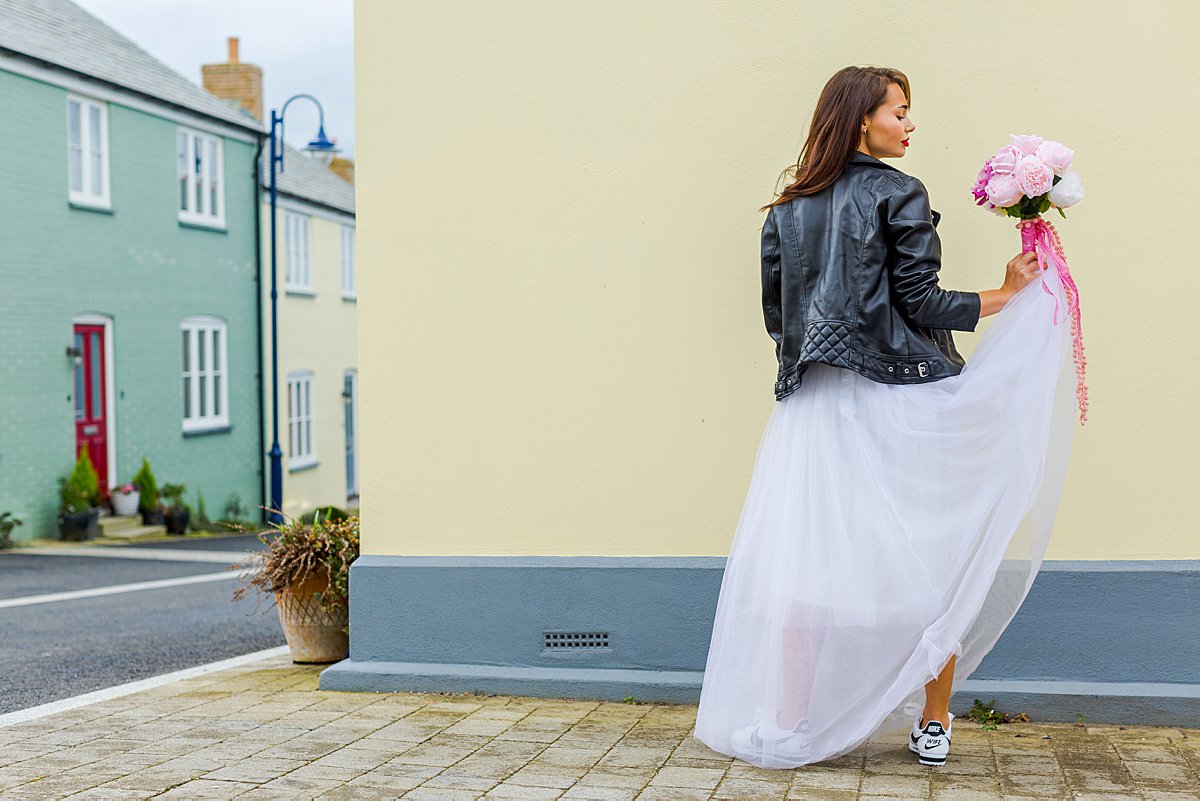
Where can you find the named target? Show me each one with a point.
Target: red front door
(91, 423)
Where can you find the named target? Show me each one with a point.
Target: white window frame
(195, 379)
(297, 251)
(211, 210)
(87, 194)
(302, 420)
(349, 274)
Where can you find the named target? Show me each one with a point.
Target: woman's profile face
(887, 129)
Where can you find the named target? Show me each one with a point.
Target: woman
(901, 499)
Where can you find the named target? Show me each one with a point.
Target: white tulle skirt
(886, 528)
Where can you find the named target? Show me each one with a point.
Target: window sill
(217, 227)
(219, 428)
(351, 298)
(297, 467)
(84, 205)
(299, 292)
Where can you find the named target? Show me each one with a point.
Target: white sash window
(205, 375)
(87, 151)
(200, 176)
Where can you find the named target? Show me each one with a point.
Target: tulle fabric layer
(886, 528)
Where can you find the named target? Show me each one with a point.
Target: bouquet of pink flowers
(1025, 178)
(1028, 177)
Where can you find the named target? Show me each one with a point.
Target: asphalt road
(62, 647)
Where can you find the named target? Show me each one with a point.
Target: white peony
(1068, 191)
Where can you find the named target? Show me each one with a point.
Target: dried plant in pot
(306, 568)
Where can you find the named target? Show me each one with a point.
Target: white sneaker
(750, 742)
(932, 743)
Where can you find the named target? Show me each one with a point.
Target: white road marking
(35, 712)
(125, 552)
(115, 589)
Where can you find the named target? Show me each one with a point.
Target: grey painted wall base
(1142, 704)
(665, 686)
(1113, 641)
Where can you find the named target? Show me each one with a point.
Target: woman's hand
(1021, 270)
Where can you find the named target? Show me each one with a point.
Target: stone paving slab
(264, 731)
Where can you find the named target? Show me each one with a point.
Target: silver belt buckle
(922, 369)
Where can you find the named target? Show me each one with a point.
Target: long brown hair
(850, 95)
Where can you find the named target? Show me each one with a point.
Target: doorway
(93, 421)
(350, 403)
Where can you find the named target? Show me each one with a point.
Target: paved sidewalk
(264, 731)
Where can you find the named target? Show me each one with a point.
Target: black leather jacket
(849, 278)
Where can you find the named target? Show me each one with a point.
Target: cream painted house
(569, 371)
(317, 306)
(317, 298)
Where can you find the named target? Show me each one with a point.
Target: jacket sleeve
(772, 311)
(918, 257)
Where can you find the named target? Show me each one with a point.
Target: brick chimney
(343, 168)
(236, 81)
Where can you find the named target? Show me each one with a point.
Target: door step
(127, 527)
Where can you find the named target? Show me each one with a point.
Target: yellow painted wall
(317, 333)
(562, 342)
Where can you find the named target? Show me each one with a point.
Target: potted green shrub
(148, 503)
(125, 499)
(7, 524)
(176, 512)
(79, 501)
(306, 567)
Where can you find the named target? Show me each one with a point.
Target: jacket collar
(858, 157)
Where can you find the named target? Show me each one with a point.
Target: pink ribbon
(1040, 236)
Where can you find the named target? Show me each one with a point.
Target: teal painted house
(129, 321)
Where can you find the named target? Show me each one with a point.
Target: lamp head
(321, 149)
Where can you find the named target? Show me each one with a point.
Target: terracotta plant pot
(313, 635)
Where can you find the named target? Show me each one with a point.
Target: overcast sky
(302, 46)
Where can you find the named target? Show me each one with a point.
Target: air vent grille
(571, 640)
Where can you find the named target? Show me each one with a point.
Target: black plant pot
(177, 521)
(152, 517)
(79, 526)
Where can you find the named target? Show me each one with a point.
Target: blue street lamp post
(324, 150)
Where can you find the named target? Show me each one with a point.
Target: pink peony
(1006, 159)
(1003, 190)
(1028, 145)
(1055, 155)
(1033, 176)
(980, 188)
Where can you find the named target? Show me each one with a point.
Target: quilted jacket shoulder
(850, 278)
